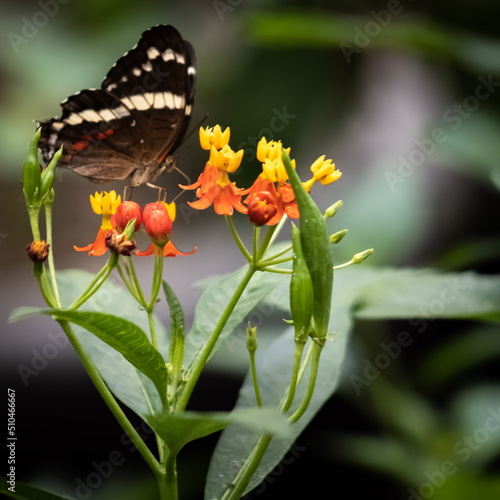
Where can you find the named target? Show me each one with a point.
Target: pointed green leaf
(413, 293)
(178, 429)
(215, 299)
(125, 337)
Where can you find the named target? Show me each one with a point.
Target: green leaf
(128, 383)
(411, 293)
(274, 366)
(24, 491)
(123, 336)
(180, 428)
(176, 314)
(215, 299)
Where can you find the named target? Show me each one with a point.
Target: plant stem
(204, 353)
(95, 284)
(52, 270)
(250, 467)
(237, 239)
(110, 401)
(254, 378)
(316, 352)
(297, 357)
(170, 484)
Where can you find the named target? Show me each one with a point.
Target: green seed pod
(32, 173)
(315, 244)
(47, 178)
(301, 290)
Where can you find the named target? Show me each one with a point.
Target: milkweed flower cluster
(269, 198)
(156, 218)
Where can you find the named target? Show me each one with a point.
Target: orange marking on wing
(78, 146)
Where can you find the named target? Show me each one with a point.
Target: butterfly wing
(137, 117)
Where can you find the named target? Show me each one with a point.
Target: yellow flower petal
(214, 136)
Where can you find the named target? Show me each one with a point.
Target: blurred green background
(405, 98)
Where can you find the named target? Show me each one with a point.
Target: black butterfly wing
(137, 117)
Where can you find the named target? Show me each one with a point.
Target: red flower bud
(157, 223)
(125, 211)
(262, 207)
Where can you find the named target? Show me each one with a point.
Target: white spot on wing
(127, 102)
(111, 87)
(121, 111)
(136, 72)
(168, 55)
(90, 115)
(188, 110)
(147, 66)
(191, 71)
(139, 102)
(73, 119)
(107, 115)
(57, 126)
(153, 53)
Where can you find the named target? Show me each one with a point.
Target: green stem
(255, 379)
(276, 270)
(152, 328)
(276, 255)
(299, 349)
(142, 300)
(96, 283)
(52, 269)
(266, 242)
(33, 213)
(45, 288)
(237, 239)
(256, 234)
(129, 284)
(110, 401)
(249, 469)
(272, 262)
(157, 274)
(316, 352)
(170, 484)
(204, 353)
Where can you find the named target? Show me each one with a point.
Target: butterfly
(130, 127)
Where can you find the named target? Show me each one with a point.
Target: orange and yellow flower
(214, 137)
(213, 185)
(158, 218)
(104, 204)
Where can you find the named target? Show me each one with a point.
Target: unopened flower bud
(333, 209)
(157, 223)
(262, 207)
(38, 251)
(361, 256)
(337, 237)
(126, 211)
(251, 338)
